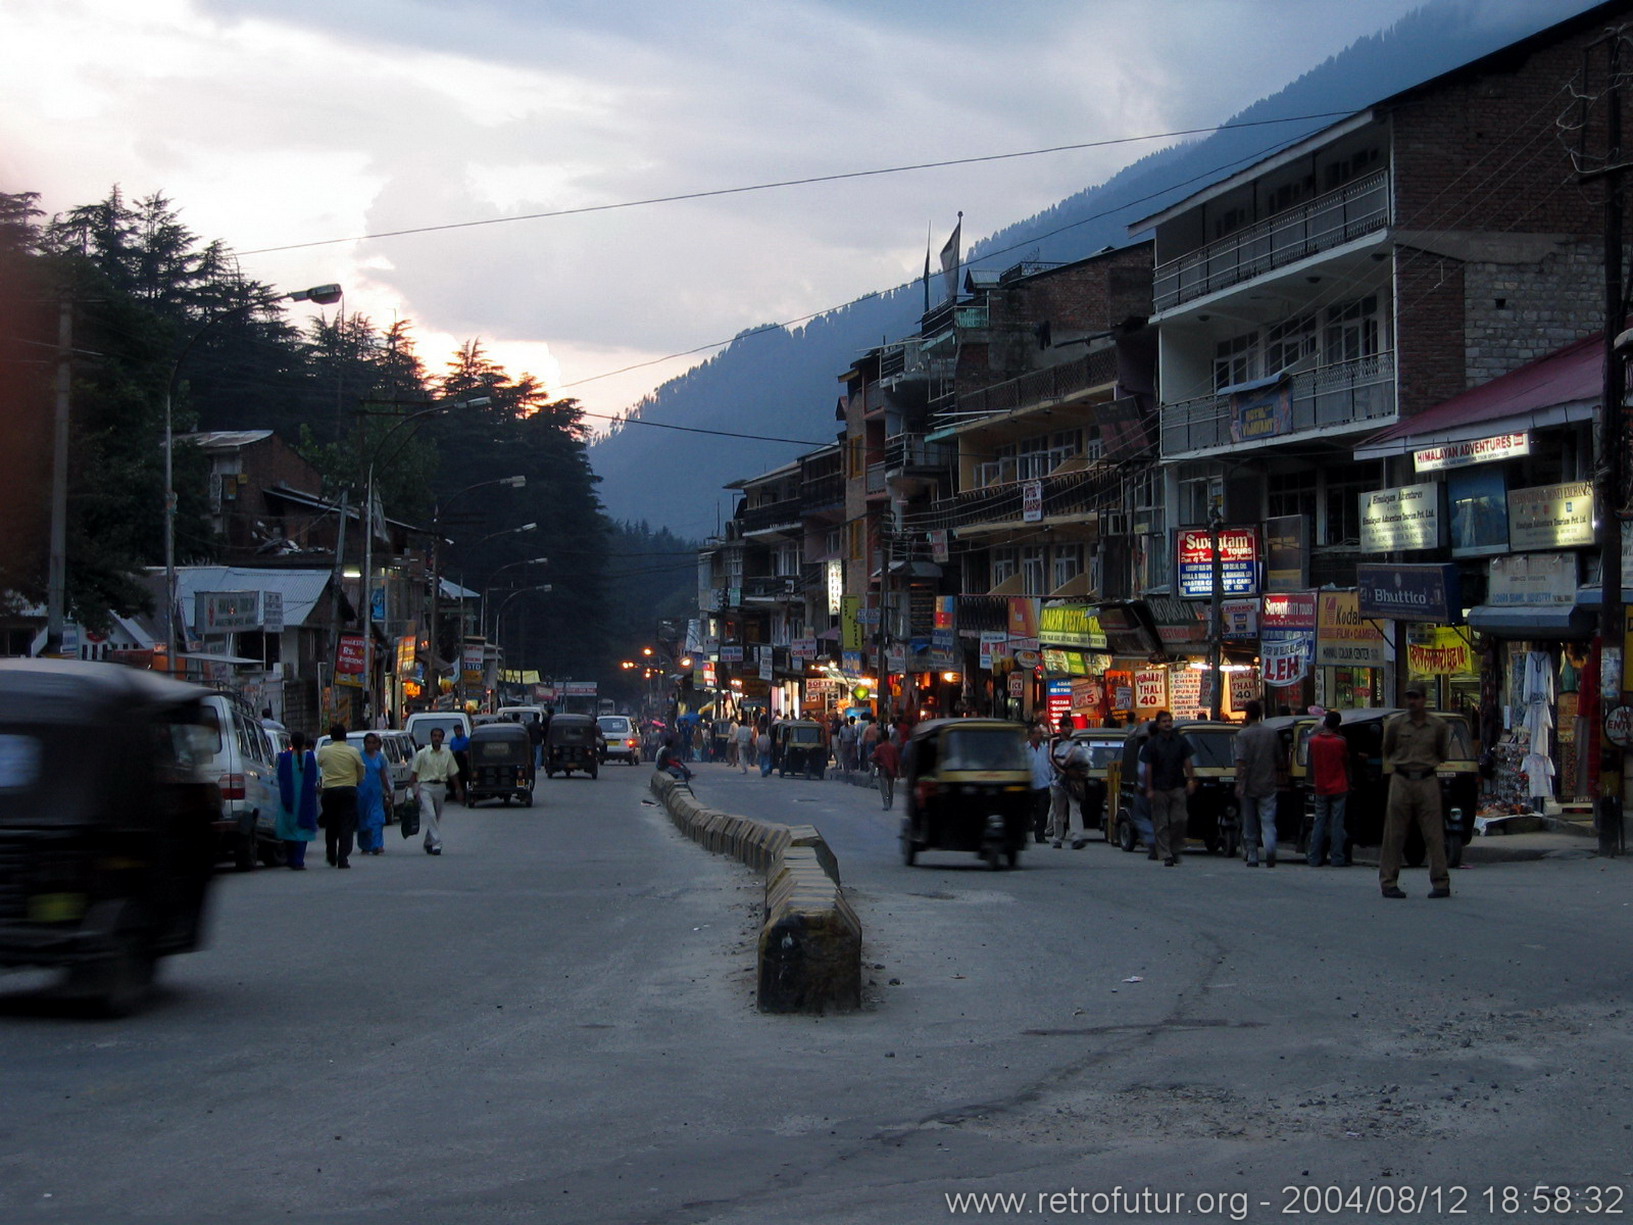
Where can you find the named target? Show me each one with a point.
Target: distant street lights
(510, 482)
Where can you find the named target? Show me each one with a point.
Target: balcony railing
(1328, 221)
(1036, 389)
(822, 493)
(773, 587)
(903, 451)
(1328, 397)
(1071, 493)
(772, 514)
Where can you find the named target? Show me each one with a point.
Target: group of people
(347, 794)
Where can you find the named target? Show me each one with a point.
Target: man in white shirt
(1070, 761)
(433, 773)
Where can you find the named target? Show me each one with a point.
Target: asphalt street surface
(555, 1021)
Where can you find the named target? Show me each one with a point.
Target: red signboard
(1288, 610)
(349, 655)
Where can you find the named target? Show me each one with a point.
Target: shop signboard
(1478, 502)
(1244, 687)
(1180, 623)
(805, 648)
(1062, 662)
(896, 658)
(579, 689)
(940, 546)
(836, 586)
(1022, 614)
(1261, 412)
(1288, 610)
(1071, 625)
(766, 667)
(1151, 689)
(470, 665)
(1031, 501)
(1407, 593)
(1551, 516)
(1439, 650)
(1407, 517)
(272, 612)
(1287, 553)
(1239, 619)
(731, 654)
(1238, 564)
(1058, 700)
(406, 648)
(226, 612)
(544, 694)
(851, 662)
(1344, 639)
(1017, 684)
(1471, 451)
(850, 623)
(1287, 636)
(1185, 692)
(994, 646)
(349, 655)
(1531, 579)
(1088, 695)
(1285, 661)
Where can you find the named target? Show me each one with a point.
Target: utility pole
(57, 575)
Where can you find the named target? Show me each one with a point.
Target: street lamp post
(505, 603)
(512, 482)
(324, 295)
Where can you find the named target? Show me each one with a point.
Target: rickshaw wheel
(592, 772)
(1126, 838)
(1232, 843)
(910, 850)
(527, 800)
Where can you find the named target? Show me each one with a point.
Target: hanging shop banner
(349, 655)
(1089, 698)
(896, 658)
(1023, 617)
(1287, 553)
(1344, 639)
(1120, 690)
(994, 647)
(1403, 518)
(272, 612)
(850, 623)
(804, 648)
(1472, 451)
(1071, 625)
(580, 689)
(1239, 561)
(940, 547)
(406, 648)
(1058, 700)
(1244, 687)
(1031, 501)
(1289, 610)
(1185, 692)
(836, 586)
(1478, 503)
(766, 656)
(470, 666)
(1059, 662)
(731, 654)
(1179, 623)
(1532, 578)
(1407, 593)
(1286, 661)
(1262, 412)
(1151, 689)
(1439, 650)
(1551, 516)
(851, 662)
(1239, 619)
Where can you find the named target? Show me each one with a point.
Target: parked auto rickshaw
(572, 742)
(1104, 745)
(969, 788)
(1294, 808)
(501, 764)
(1369, 783)
(798, 746)
(107, 839)
(1212, 813)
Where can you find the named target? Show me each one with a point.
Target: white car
(621, 742)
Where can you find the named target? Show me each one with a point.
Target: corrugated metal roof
(225, 440)
(301, 589)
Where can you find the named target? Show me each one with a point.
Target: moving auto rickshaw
(572, 742)
(969, 788)
(501, 764)
(798, 746)
(107, 840)
(1212, 812)
(1368, 800)
(1104, 746)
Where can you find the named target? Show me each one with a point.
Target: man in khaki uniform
(1415, 745)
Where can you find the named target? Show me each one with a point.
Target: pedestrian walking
(847, 745)
(433, 774)
(1256, 748)
(867, 742)
(459, 744)
(1415, 745)
(340, 772)
(373, 798)
(887, 764)
(1329, 763)
(1043, 777)
(762, 746)
(297, 800)
(1070, 761)
(731, 743)
(745, 745)
(1169, 780)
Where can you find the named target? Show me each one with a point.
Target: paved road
(555, 1022)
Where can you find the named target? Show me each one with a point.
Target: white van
(420, 723)
(522, 714)
(244, 765)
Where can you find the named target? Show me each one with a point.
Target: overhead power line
(804, 182)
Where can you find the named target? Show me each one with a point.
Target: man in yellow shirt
(340, 770)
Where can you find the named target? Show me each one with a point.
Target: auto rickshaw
(107, 840)
(1104, 745)
(798, 746)
(969, 788)
(1212, 812)
(572, 742)
(1294, 806)
(1368, 800)
(501, 764)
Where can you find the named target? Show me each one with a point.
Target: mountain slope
(774, 381)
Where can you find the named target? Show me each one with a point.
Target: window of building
(1291, 493)
(1198, 498)
(1343, 486)
(1352, 330)
(1004, 565)
(1289, 343)
(1067, 565)
(1034, 568)
(1233, 360)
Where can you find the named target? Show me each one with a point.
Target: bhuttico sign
(1407, 593)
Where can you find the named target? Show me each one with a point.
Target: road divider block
(810, 946)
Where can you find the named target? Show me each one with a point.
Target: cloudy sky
(295, 123)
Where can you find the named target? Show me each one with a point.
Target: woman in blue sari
(373, 794)
(297, 799)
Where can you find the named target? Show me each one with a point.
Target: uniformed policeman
(1415, 744)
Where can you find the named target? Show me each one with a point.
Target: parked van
(421, 722)
(522, 714)
(244, 766)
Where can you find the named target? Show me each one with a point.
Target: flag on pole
(950, 261)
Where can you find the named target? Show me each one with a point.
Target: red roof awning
(1563, 387)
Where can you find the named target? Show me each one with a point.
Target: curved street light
(505, 603)
(511, 482)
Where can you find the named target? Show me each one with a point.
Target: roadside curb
(810, 946)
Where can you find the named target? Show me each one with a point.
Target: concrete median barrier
(810, 946)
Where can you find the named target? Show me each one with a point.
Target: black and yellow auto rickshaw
(107, 840)
(799, 746)
(501, 764)
(572, 742)
(1369, 783)
(1213, 814)
(969, 788)
(1104, 746)
(1294, 808)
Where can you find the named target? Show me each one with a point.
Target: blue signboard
(1408, 593)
